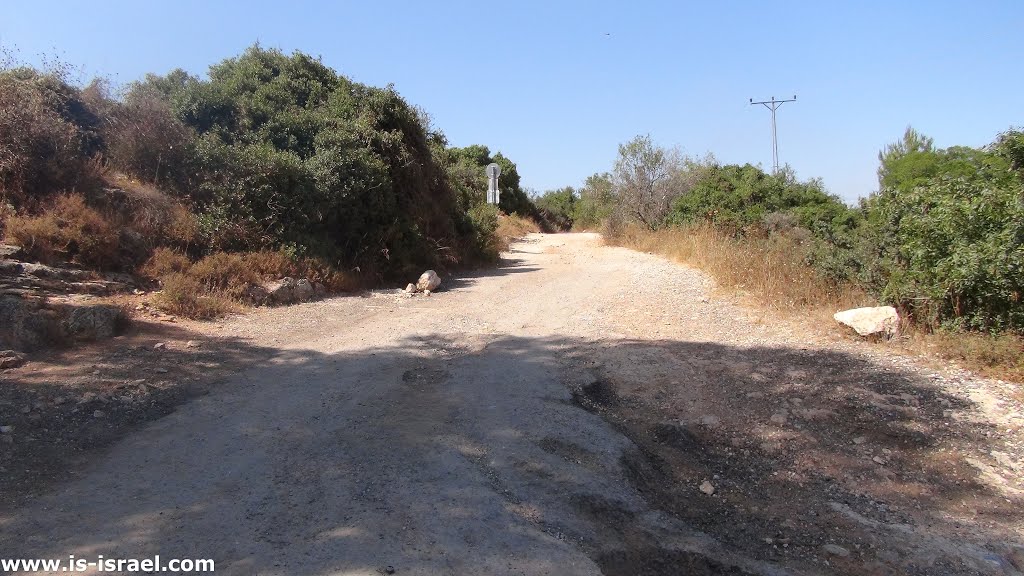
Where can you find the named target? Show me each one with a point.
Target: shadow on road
(516, 455)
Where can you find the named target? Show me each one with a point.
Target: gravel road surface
(580, 410)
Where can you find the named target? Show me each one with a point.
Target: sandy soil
(580, 410)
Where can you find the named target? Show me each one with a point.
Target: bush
(596, 203)
(557, 207)
(224, 273)
(49, 136)
(164, 262)
(39, 237)
(185, 296)
(68, 229)
(484, 220)
(146, 140)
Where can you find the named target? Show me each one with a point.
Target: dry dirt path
(581, 410)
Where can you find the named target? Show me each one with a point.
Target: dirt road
(581, 410)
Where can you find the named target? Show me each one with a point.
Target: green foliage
(739, 197)
(484, 219)
(467, 170)
(272, 152)
(596, 202)
(948, 243)
(558, 207)
(292, 154)
(642, 177)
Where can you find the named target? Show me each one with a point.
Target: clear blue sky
(557, 86)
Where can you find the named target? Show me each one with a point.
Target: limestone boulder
(429, 280)
(867, 321)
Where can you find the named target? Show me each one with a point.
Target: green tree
(641, 174)
(558, 207)
(596, 201)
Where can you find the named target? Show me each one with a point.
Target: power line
(774, 105)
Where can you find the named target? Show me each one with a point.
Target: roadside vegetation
(942, 239)
(274, 165)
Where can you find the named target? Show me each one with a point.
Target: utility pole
(773, 105)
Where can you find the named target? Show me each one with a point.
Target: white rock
(281, 291)
(426, 292)
(193, 344)
(429, 280)
(710, 420)
(707, 488)
(410, 288)
(836, 550)
(303, 290)
(11, 359)
(871, 320)
(860, 439)
(159, 345)
(6, 429)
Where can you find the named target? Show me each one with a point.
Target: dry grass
(185, 296)
(773, 272)
(162, 262)
(221, 282)
(512, 227)
(158, 217)
(277, 264)
(993, 355)
(224, 273)
(67, 229)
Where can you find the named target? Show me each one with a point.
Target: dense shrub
(484, 220)
(557, 207)
(273, 152)
(185, 296)
(164, 262)
(945, 238)
(49, 136)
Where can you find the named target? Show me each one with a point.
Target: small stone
(160, 370)
(860, 439)
(11, 359)
(193, 344)
(707, 488)
(98, 414)
(410, 288)
(6, 429)
(878, 460)
(426, 292)
(87, 397)
(710, 420)
(26, 409)
(159, 346)
(755, 394)
(835, 550)
(778, 418)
